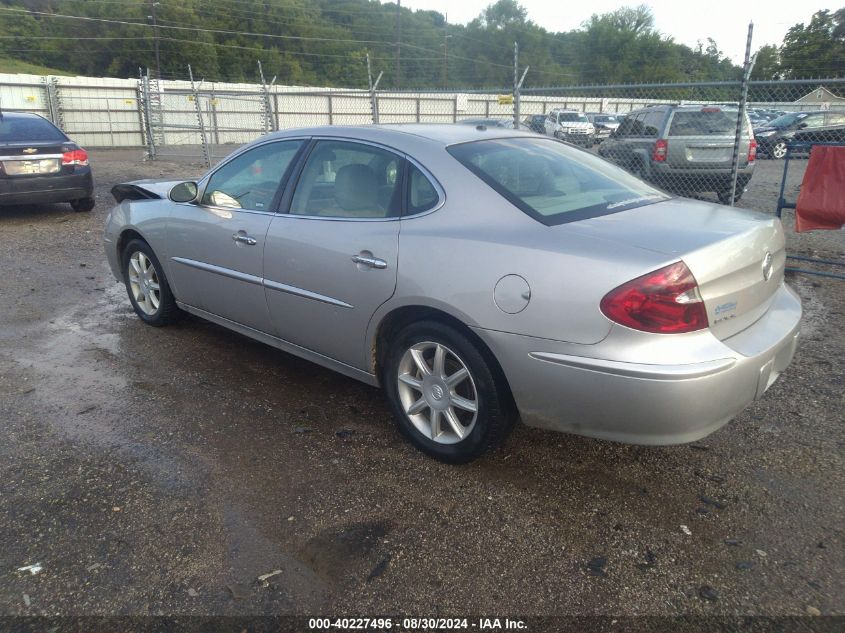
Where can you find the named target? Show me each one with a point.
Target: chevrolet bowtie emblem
(30, 150)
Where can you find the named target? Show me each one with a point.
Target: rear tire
(83, 204)
(445, 394)
(778, 150)
(725, 194)
(147, 287)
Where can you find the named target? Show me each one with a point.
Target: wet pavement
(164, 471)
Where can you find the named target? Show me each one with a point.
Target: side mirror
(184, 192)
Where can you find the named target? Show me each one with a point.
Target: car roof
(6, 114)
(404, 134)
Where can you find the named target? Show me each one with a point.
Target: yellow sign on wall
(505, 99)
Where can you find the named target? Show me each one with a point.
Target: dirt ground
(163, 471)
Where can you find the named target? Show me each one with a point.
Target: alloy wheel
(144, 283)
(437, 392)
(779, 150)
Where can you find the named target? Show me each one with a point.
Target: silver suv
(685, 149)
(571, 126)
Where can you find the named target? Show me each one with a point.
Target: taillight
(752, 151)
(75, 157)
(661, 148)
(665, 301)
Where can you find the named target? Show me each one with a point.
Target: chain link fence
(691, 139)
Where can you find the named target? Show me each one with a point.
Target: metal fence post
(373, 94)
(205, 152)
(740, 117)
(147, 115)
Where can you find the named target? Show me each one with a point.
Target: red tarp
(821, 203)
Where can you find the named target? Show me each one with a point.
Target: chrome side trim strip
(638, 370)
(299, 292)
(218, 270)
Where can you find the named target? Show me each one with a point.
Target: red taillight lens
(665, 301)
(752, 151)
(658, 153)
(75, 157)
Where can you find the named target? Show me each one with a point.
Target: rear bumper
(636, 399)
(699, 179)
(47, 189)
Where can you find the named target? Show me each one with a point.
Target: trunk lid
(736, 256)
(32, 159)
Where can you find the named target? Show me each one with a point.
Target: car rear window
(703, 123)
(553, 182)
(28, 130)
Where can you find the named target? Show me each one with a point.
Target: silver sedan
(481, 276)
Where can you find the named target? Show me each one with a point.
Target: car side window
(343, 179)
(652, 122)
(637, 125)
(422, 195)
(625, 126)
(250, 181)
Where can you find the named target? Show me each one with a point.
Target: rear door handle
(243, 238)
(372, 262)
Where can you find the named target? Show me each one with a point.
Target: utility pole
(398, 42)
(446, 37)
(152, 18)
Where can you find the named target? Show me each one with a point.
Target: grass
(8, 65)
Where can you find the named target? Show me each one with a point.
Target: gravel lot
(162, 471)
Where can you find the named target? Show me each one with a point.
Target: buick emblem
(768, 266)
(30, 150)
(437, 392)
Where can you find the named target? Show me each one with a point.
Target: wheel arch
(399, 317)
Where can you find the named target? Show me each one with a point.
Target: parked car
(571, 126)
(685, 149)
(772, 138)
(604, 124)
(826, 134)
(39, 164)
(479, 276)
(536, 123)
(506, 124)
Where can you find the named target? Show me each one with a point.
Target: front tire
(445, 393)
(147, 287)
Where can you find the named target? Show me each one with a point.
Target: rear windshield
(28, 130)
(703, 122)
(572, 116)
(787, 119)
(554, 182)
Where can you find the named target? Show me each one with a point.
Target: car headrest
(356, 188)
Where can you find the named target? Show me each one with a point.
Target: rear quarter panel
(453, 258)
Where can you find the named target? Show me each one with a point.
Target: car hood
(143, 189)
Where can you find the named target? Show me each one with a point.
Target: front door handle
(368, 260)
(243, 238)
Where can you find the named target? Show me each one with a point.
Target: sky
(726, 21)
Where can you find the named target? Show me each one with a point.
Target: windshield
(553, 182)
(605, 118)
(572, 116)
(30, 129)
(787, 119)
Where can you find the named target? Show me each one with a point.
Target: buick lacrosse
(480, 276)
